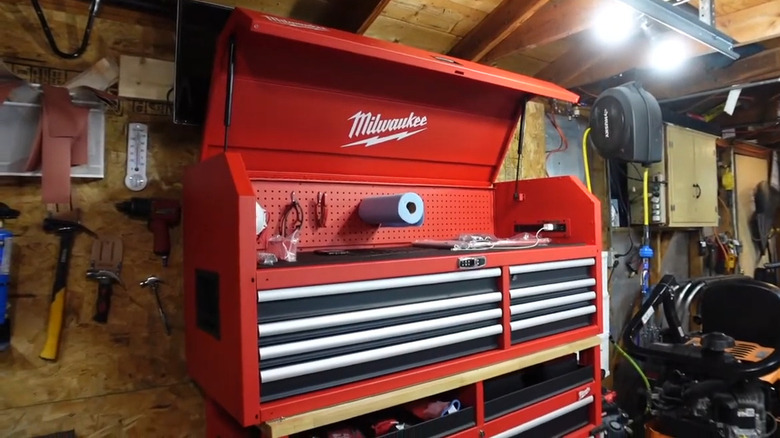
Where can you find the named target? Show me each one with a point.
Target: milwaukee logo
(365, 124)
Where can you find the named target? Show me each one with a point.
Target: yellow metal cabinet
(683, 186)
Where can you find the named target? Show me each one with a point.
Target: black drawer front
(544, 277)
(363, 346)
(560, 426)
(323, 332)
(549, 295)
(552, 328)
(534, 393)
(306, 307)
(438, 427)
(339, 376)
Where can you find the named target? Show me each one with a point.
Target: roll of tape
(401, 210)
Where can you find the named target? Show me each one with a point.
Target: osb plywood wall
(125, 378)
(533, 160)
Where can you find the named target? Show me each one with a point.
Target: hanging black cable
(231, 73)
(93, 10)
(520, 141)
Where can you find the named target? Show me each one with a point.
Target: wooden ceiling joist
(496, 27)
(585, 63)
(354, 15)
(555, 21)
(754, 24)
(584, 69)
(764, 65)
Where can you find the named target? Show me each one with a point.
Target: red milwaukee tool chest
(328, 118)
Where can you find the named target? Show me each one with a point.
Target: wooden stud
(555, 21)
(763, 65)
(354, 15)
(502, 22)
(752, 24)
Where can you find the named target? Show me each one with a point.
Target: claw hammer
(66, 230)
(154, 283)
(106, 280)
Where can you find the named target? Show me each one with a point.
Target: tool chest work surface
(392, 253)
(311, 144)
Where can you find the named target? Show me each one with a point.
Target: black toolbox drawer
(438, 427)
(560, 426)
(538, 383)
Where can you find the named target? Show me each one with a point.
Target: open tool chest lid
(309, 102)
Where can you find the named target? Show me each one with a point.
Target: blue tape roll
(402, 210)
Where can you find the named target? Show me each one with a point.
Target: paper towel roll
(402, 210)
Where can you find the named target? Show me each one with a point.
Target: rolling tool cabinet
(280, 350)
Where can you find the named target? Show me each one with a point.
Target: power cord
(638, 369)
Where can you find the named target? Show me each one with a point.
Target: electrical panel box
(683, 186)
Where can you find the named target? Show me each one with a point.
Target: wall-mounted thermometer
(137, 140)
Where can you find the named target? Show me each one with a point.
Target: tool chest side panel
(562, 200)
(219, 283)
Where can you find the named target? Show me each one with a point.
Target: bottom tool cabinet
(552, 393)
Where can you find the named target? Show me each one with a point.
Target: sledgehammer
(66, 230)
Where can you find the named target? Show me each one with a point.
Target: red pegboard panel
(448, 213)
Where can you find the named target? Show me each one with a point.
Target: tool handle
(103, 303)
(162, 237)
(56, 316)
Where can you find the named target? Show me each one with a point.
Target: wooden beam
(582, 68)
(761, 66)
(354, 15)
(555, 21)
(496, 27)
(743, 148)
(585, 63)
(754, 24)
(107, 12)
(752, 113)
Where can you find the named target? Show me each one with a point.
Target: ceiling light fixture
(686, 24)
(668, 52)
(615, 23)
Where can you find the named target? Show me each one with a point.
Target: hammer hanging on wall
(66, 229)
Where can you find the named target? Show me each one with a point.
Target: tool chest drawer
(522, 388)
(317, 337)
(438, 427)
(550, 298)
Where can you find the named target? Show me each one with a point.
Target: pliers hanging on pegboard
(293, 205)
(322, 209)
